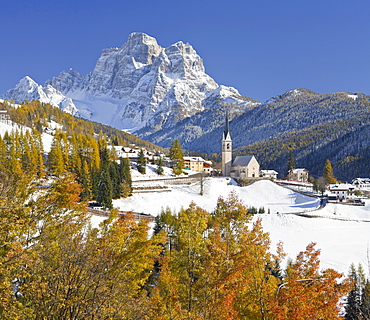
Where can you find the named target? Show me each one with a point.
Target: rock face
(140, 85)
(27, 89)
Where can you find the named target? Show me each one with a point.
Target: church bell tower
(227, 151)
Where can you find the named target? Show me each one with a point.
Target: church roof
(242, 161)
(227, 135)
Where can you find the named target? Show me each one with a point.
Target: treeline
(39, 115)
(94, 165)
(197, 265)
(89, 159)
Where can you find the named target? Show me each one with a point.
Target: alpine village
(145, 190)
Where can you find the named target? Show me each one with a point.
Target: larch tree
(306, 290)
(328, 173)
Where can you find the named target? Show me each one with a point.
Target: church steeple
(227, 135)
(226, 148)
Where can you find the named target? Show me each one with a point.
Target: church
(243, 166)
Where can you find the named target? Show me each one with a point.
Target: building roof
(269, 171)
(242, 161)
(340, 187)
(226, 134)
(194, 159)
(298, 170)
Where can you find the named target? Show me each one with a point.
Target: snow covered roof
(298, 170)
(194, 159)
(340, 187)
(269, 172)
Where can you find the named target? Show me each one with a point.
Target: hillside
(342, 242)
(38, 115)
(314, 126)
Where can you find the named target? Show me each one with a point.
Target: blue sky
(263, 48)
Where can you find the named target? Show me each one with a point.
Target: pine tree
(105, 190)
(126, 181)
(177, 157)
(141, 162)
(85, 181)
(291, 163)
(115, 178)
(160, 166)
(365, 303)
(355, 304)
(328, 173)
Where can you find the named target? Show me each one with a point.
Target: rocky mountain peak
(138, 85)
(143, 48)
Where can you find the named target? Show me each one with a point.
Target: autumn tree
(328, 173)
(306, 290)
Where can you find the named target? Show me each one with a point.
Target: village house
(361, 183)
(342, 191)
(133, 153)
(268, 174)
(299, 174)
(197, 164)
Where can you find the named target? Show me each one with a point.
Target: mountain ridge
(137, 85)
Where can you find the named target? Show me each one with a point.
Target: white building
(268, 174)
(299, 174)
(342, 191)
(361, 183)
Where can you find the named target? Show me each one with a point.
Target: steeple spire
(227, 135)
(226, 149)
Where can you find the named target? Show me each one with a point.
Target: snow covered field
(341, 242)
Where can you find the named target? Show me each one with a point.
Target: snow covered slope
(28, 89)
(341, 242)
(137, 85)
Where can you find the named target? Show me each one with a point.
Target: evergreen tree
(85, 181)
(160, 166)
(141, 162)
(365, 303)
(105, 190)
(355, 303)
(126, 181)
(177, 157)
(115, 179)
(291, 164)
(328, 173)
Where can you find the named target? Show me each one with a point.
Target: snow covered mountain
(137, 85)
(28, 89)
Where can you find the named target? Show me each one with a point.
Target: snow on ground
(341, 242)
